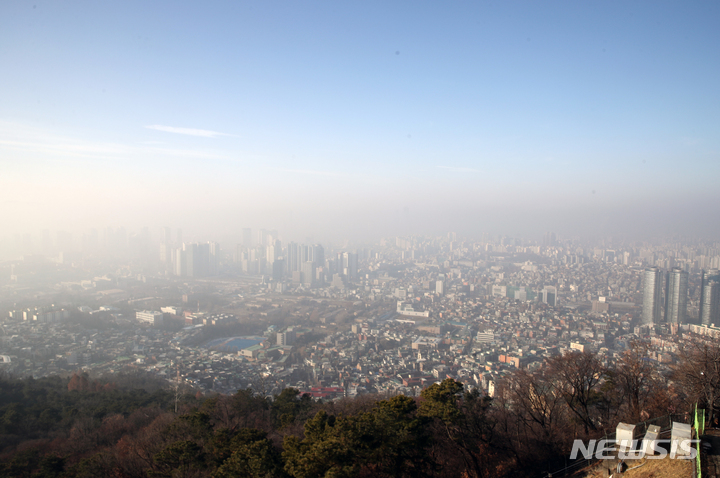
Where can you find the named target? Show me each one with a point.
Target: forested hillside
(128, 426)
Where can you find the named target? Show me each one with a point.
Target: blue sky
(318, 117)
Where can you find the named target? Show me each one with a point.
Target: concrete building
(710, 297)
(308, 274)
(350, 265)
(150, 316)
(424, 343)
(549, 295)
(286, 338)
(652, 294)
(43, 315)
(197, 260)
(676, 291)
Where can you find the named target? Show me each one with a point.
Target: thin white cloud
(187, 153)
(188, 131)
(47, 145)
(309, 171)
(456, 169)
(101, 150)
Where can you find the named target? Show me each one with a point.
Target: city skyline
(223, 222)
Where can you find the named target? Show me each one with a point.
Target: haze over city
(389, 239)
(354, 121)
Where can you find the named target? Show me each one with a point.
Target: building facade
(652, 294)
(150, 316)
(710, 297)
(676, 291)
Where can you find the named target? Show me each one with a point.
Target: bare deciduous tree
(576, 377)
(636, 378)
(698, 371)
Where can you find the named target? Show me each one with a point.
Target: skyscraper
(197, 260)
(676, 291)
(296, 255)
(440, 286)
(272, 253)
(308, 273)
(278, 270)
(549, 240)
(166, 246)
(710, 297)
(549, 295)
(316, 253)
(184, 260)
(652, 293)
(201, 260)
(293, 258)
(263, 237)
(214, 260)
(350, 265)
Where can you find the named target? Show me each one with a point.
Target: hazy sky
(361, 118)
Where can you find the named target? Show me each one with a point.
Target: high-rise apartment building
(214, 259)
(181, 261)
(308, 273)
(201, 263)
(297, 255)
(676, 291)
(350, 265)
(286, 338)
(549, 295)
(549, 239)
(652, 296)
(166, 235)
(272, 252)
(278, 270)
(292, 258)
(710, 297)
(440, 286)
(165, 254)
(197, 260)
(266, 237)
(316, 254)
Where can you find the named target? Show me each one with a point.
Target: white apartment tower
(710, 297)
(676, 291)
(652, 293)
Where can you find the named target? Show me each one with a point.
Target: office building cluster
(710, 297)
(665, 297)
(300, 264)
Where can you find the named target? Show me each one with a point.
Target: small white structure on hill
(680, 439)
(650, 440)
(624, 436)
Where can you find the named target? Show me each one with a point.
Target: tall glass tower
(652, 292)
(710, 297)
(676, 292)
